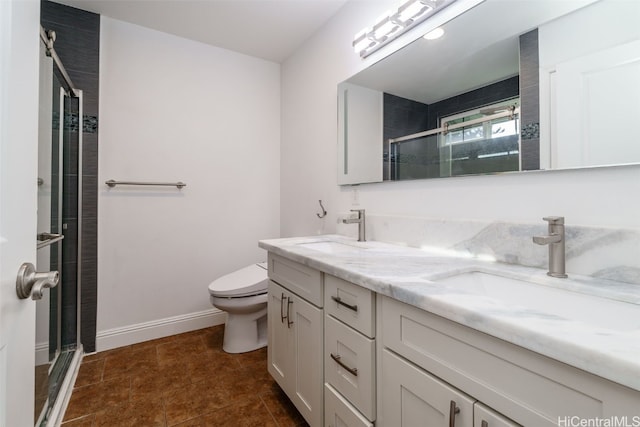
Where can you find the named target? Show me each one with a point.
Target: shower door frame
(53, 412)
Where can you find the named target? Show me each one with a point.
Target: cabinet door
(484, 416)
(412, 397)
(280, 344)
(307, 329)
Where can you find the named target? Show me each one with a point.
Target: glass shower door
(53, 357)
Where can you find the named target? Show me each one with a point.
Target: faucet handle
(555, 220)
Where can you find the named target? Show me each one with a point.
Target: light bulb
(434, 34)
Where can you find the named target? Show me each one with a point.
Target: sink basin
(547, 300)
(331, 247)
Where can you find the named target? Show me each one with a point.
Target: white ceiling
(268, 29)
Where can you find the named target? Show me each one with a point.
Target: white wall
(602, 197)
(177, 110)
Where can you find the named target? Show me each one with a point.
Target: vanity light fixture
(393, 23)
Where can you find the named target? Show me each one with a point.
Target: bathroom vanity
(368, 333)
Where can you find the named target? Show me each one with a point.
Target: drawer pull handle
(282, 316)
(453, 410)
(349, 306)
(484, 423)
(352, 371)
(289, 321)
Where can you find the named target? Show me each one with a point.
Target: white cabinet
(295, 350)
(295, 333)
(347, 357)
(412, 397)
(525, 387)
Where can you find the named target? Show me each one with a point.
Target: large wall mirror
(511, 86)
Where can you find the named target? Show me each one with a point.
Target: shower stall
(58, 348)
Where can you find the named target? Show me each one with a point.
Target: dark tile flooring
(184, 380)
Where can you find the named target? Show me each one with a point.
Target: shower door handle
(46, 239)
(31, 283)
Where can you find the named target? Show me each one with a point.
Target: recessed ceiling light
(435, 34)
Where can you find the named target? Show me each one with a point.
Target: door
(19, 46)
(280, 348)
(294, 354)
(412, 397)
(308, 359)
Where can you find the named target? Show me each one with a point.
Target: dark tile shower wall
(401, 117)
(420, 158)
(78, 46)
(530, 100)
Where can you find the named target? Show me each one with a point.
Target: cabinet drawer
(339, 413)
(529, 388)
(352, 304)
(349, 365)
(298, 278)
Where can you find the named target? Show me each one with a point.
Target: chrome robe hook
(324, 212)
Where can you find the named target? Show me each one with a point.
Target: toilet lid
(247, 281)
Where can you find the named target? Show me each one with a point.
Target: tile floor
(184, 380)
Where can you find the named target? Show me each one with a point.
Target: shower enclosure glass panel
(55, 344)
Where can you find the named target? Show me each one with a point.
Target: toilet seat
(246, 282)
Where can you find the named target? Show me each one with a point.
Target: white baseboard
(133, 334)
(42, 353)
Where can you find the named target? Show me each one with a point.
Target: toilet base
(244, 333)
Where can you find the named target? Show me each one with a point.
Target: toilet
(243, 295)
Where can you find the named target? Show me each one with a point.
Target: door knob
(32, 283)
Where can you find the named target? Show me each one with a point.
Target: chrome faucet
(360, 221)
(555, 240)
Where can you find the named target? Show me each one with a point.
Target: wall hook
(324, 212)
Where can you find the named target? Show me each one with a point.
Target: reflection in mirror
(504, 62)
(475, 141)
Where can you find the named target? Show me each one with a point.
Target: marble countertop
(607, 349)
